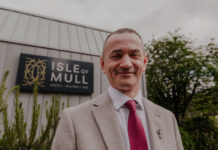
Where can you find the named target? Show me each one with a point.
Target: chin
(125, 86)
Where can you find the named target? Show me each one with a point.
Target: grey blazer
(94, 126)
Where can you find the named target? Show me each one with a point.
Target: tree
(184, 79)
(177, 72)
(205, 102)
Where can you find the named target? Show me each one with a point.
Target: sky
(197, 19)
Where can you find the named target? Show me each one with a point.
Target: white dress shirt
(119, 99)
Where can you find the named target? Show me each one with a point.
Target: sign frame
(55, 75)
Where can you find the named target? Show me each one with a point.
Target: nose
(126, 62)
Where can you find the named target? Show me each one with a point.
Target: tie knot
(131, 105)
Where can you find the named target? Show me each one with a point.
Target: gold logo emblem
(34, 69)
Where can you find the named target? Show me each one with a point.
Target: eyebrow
(116, 51)
(119, 51)
(135, 50)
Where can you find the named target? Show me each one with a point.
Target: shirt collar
(119, 99)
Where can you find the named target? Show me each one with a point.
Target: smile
(125, 73)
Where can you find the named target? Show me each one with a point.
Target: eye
(116, 56)
(135, 55)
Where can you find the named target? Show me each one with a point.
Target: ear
(145, 61)
(102, 64)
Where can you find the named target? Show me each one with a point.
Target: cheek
(109, 70)
(139, 65)
(111, 66)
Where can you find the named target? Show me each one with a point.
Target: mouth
(125, 73)
(122, 71)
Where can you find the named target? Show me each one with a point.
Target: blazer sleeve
(177, 135)
(64, 137)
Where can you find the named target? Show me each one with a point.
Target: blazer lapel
(156, 131)
(107, 121)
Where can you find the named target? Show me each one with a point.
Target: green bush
(203, 131)
(187, 139)
(16, 136)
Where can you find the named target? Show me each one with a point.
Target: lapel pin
(159, 134)
(157, 114)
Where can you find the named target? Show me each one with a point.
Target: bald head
(120, 31)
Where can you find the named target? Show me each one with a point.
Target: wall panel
(32, 31)
(64, 37)
(92, 44)
(97, 76)
(103, 35)
(54, 34)
(3, 50)
(82, 40)
(3, 17)
(74, 39)
(20, 29)
(98, 40)
(9, 25)
(43, 34)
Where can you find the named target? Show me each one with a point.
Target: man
(119, 119)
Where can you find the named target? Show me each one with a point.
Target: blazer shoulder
(156, 106)
(86, 106)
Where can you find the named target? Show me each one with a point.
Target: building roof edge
(51, 18)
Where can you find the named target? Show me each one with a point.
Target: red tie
(136, 132)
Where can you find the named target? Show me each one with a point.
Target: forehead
(124, 41)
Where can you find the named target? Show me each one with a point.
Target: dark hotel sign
(55, 75)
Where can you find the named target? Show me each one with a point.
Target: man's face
(124, 61)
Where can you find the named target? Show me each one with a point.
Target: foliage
(184, 79)
(16, 136)
(188, 141)
(205, 102)
(176, 72)
(204, 131)
(2, 91)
